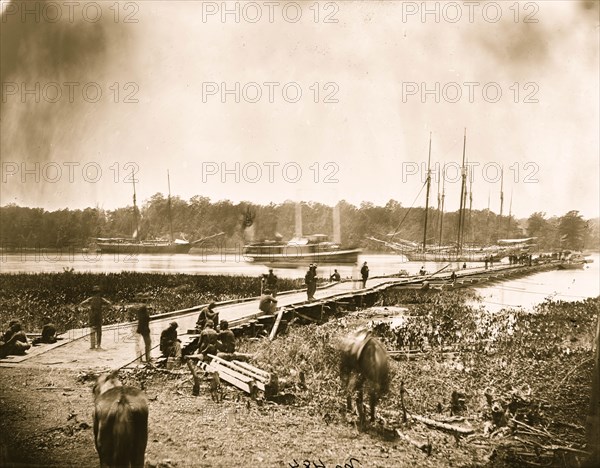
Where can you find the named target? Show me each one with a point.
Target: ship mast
(501, 190)
(437, 217)
(487, 220)
(509, 215)
(169, 207)
(471, 207)
(442, 205)
(135, 210)
(298, 220)
(463, 189)
(337, 229)
(427, 197)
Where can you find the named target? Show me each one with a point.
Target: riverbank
(537, 366)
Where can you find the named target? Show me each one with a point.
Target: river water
(567, 285)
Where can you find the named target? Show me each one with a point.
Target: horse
(120, 423)
(364, 360)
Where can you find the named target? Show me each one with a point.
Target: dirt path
(46, 419)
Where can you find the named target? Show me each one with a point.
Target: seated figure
(268, 304)
(14, 341)
(226, 343)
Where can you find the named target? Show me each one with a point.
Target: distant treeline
(199, 217)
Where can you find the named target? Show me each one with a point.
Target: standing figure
(310, 279)
(271, 282)
(364, 272)
(96, 303)
(143, 327)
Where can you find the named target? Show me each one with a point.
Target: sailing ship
(302, 250)
(134, 245)
(445, 253)
(451, 255)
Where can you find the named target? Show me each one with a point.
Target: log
(64, 389)
(442, 426)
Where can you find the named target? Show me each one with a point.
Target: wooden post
(276, 325)
(196, 389)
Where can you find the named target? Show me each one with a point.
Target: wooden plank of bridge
(276, 325)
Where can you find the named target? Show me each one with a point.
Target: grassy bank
(536, 366)
(30, 297)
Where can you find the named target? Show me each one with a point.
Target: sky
(313, 101)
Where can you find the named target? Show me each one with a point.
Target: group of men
(210, 341)
(214, 337)
(14, 340)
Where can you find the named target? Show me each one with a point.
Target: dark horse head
(364, 361)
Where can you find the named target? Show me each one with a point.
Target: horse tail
(130, 431)
(122, 431)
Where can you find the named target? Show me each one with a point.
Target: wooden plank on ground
(253, 369)
(245, 386)
(238, 372)
(238, 375)
(222, 370)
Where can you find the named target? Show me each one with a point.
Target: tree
(572, 230)
(538, 226)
